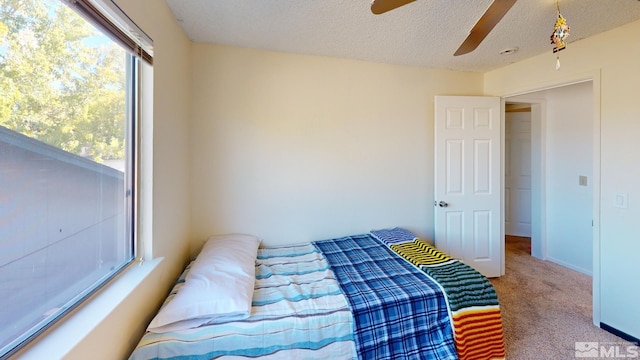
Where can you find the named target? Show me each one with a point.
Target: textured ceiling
(424, 33)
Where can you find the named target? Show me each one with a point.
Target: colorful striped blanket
(473, 303)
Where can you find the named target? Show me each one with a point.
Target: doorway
(517, 170)
(549, 175)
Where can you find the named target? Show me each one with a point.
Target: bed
(382, 295)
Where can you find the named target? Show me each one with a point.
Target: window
(69, 88)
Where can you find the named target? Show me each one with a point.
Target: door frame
(571, 79)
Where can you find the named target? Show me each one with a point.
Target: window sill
(61, 339)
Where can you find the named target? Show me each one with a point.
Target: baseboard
(619, 333)
(570, 266)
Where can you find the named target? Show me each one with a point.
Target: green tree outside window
(60, 81)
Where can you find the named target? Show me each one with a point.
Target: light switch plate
(582, 180)
(621, 201)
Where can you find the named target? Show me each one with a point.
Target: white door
(517, 173)
(468, 181)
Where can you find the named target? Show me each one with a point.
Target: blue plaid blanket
(399, 313)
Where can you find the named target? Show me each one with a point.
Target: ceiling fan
(481, 29)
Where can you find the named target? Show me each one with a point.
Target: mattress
(353, 297)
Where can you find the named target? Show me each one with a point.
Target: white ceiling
(424, 33)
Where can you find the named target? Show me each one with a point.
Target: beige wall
(569, 149)
(297, 148)
(611, 59)
(129, 303)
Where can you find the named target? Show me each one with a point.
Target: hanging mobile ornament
(559, 35)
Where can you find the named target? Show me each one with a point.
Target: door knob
(443, 204)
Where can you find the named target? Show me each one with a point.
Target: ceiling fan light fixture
(509, 51)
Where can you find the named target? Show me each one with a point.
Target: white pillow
(219, 286)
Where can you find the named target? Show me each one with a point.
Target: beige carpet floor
(546, 308)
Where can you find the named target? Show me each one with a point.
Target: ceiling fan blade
(382, 6)
(483, 27)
